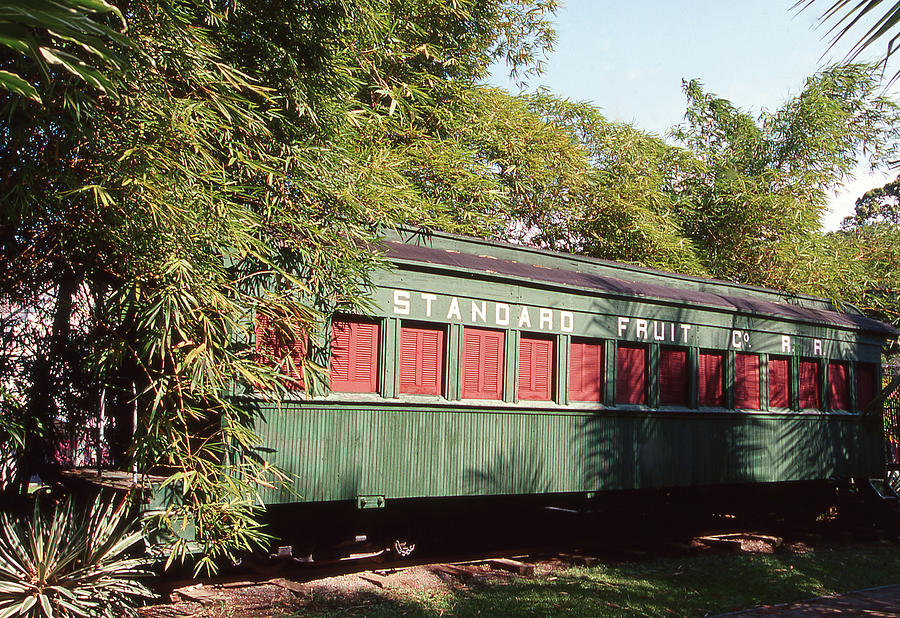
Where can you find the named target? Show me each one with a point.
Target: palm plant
(69, 563)
(847, 15)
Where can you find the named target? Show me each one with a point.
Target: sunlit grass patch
(692, 585)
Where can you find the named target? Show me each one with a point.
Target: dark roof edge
(405, 235)
(411, 232)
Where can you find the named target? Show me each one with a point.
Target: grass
(695, 585)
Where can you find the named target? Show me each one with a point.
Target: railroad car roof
(625, 283)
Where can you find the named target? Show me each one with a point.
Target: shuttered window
(711, 379)
(482, 363)
(746, 381)
(421, 360)
(273, 348)
(779, 382)
(354, 356)
(839, 385)
(810, 393)
(631, 374)
(535, 368)
(866, 384)
(586, 370)
(674, 377)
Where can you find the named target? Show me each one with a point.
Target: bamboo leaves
(67, 33)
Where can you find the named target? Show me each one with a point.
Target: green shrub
(69, 562)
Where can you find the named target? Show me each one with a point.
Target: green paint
(339, 451)
(341, 447)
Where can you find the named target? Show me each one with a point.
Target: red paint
(631, 374)
(535, 368)
(810, 390)
(354, 356)
(866, 384)
(292, 352)
(779, 382)
(746, 381)
(482, 363)
(711, 379)
(586, 370)
(674, 377)
(421, 360)
(839, 386)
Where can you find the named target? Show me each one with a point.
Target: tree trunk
(46, 370)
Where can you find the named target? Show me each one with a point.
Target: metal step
(883, 489)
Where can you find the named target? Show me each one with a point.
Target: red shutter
(290, 353)
(809, 385)
(294, 369)
(746, 381)
(421, 360)
(839, 386)
(354, 356)
(673, 377)
(535, 368)
(482, 363)
(586, 371)
(711, 379)
(631, 374)
(779, 382)
(866, 384)
(264, 338)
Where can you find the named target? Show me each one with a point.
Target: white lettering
(566, 321)
(524, 318)
(428, 298)
(736, 339)
(623, 324)
(504, 309)
(401, 302)
(685, 329)
(817, 346)
(659, 331)
(546, 319)
(479, 312)
(786, 343)
(672, 336)
(641, 328)
(454, 309)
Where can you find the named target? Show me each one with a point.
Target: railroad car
(488, 372)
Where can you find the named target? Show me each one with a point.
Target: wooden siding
(339, 451)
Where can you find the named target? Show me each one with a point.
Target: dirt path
(872, 602)
(280, 596)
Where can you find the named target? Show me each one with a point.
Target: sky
(629, 59)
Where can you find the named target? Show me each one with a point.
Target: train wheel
(403, 548)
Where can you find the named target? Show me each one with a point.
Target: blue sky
(629, 59)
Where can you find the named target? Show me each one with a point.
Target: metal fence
(892, 426)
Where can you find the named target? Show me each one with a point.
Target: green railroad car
(492, 371)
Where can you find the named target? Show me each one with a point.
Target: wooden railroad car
(492, 370)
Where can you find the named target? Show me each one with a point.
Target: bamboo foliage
(82, 37)
(228, 177)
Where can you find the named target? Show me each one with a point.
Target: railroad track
(297, 571)
(630, 543)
